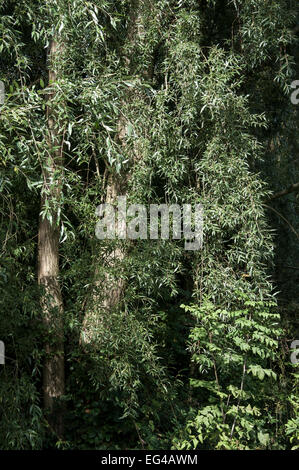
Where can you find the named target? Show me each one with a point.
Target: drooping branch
(291, 189)
(283, 218)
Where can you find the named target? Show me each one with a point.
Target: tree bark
(48, 265)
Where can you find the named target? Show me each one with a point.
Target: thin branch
(239, 400)
(283, 218)
(290, 267)
(291, 189)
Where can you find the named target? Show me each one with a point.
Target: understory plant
(233, 392)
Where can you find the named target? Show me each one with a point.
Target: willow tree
(136, 65)
(48, 251)
(164, 102)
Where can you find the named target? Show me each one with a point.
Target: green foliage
(236, 355)
(292, 426)
(202, 92)
(22, 426)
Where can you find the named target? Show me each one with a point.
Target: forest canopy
(137, 342)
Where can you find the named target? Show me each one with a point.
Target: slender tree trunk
(109, 289)
(48, 265)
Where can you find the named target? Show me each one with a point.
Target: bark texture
(48, 266)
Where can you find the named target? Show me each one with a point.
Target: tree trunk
(109, 289)
(48, 265)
